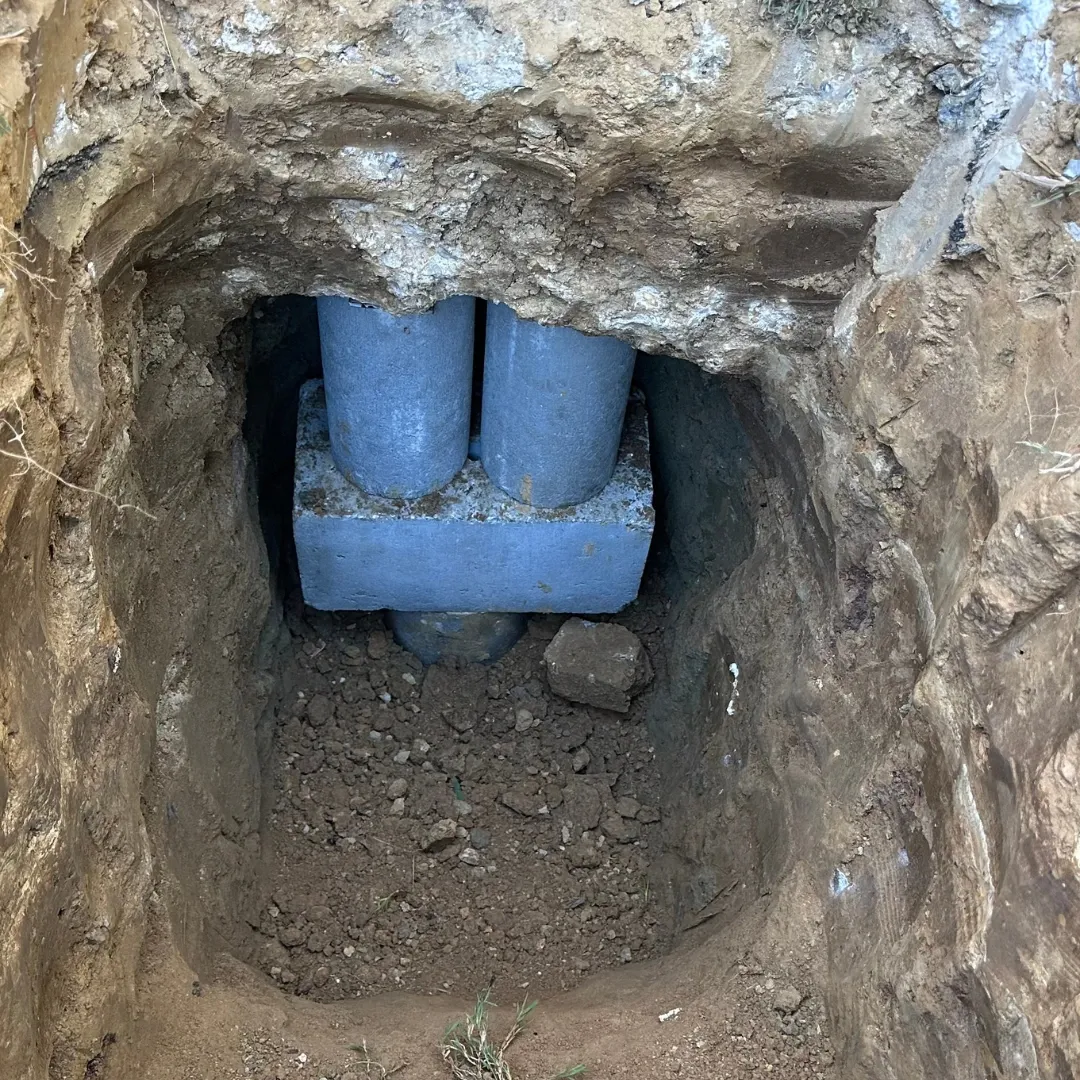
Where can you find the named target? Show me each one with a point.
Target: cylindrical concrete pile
(554, 402)
(398, 391)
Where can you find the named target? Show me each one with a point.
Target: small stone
(409, 677)
(580, 761)
(620, 829)
(787, 999)
(440, 835)
(349, 950)
(461, 808)
(525, 798)
(583, 856)
(601, 664)
(378, 645)
(397, 808)
(402, 757)
(470, 856)
(652, 8)
(398, 789)
(319, 710)
(582, 803)
(647, 815)
(627, 807)
(948, 79)
(480, 839)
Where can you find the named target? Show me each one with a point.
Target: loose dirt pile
(450, 829)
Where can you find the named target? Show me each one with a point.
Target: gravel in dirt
(447, 829)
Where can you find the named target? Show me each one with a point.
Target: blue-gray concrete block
(398, 391)
(473, 638)
(554, 402)
(469, 547)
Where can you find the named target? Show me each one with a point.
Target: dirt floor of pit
(443, 830)
(367, 940)
(735, 1005)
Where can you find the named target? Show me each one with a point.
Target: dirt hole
(557, 869)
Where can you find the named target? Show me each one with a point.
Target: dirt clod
(601, 664)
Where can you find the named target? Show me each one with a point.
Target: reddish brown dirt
(555, 805)
(733, 1006)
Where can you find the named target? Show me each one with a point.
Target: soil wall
(897, 771)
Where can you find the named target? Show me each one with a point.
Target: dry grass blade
(370, 1065)
(10, 435)
(468, 1049)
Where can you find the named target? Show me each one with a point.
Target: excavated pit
(857, 345)
(562, 800)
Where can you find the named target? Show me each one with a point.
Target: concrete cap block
(469, 547)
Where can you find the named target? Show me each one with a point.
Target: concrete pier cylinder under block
(554, 402)
(398, 391)
(472, 638)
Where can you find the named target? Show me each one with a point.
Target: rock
(292, 936)
(948, 79)
(525, 798)
(397, 789)
(319, 710)
(470, 856)
(273, 954)
(378, 645)
(317, 940)
(620, 829)
(583, 856)
(461, 808)
(397, 808)
(787, 999)
(627, 807)
(402, 757)
(580, 761)
(459, 721)
(601, 664)
(480, 839)
(310, 763)
(648, 814)
(440, 835)
(582, 804)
